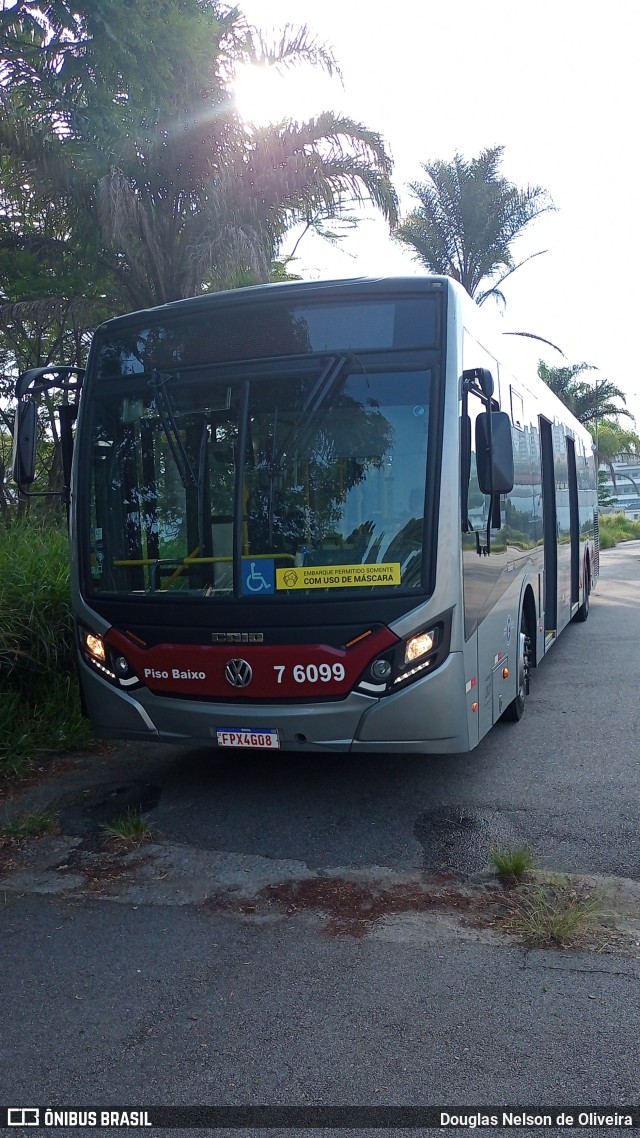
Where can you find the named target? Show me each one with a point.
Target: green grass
(35, 619)
(44, 717)
(39, 698)
(512, 864)
(128, 831)
(34, 824)
(553, 916)
(617, 527)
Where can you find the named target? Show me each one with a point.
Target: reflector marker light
(357, 639)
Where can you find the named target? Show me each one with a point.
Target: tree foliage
(127, 177)
(53, 293)
(596, 406)
(135, 130)
(468, 218)
(612, 443)
(590, 402)
(605, 500)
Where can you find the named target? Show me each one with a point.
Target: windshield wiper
(299, 432)
(170, 427)
(190, 480)
(320, 392)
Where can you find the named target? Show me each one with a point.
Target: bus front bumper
(429, 717)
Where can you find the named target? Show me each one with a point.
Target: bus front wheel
(514, 712)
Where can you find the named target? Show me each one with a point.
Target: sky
(558, 85)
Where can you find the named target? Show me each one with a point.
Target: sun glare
(265, 95)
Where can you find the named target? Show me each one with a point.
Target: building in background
(625, 494)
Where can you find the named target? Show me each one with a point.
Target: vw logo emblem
(238, 673)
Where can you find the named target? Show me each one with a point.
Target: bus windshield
(267, 480)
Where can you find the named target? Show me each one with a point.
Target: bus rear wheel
(583, 611)
(514, 712)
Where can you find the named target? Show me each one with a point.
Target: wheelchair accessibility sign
(258, 577)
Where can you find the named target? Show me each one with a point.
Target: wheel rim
(523, 679)
(524, 663)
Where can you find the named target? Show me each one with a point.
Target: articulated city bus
(316, 517)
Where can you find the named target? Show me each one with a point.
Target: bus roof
(291, 290)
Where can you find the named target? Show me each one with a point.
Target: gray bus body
(282, 535)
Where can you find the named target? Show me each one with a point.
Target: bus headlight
(95, 647)
(420, 654)
(105, 660)
(420, 645)
(96, 653)
(410, 659)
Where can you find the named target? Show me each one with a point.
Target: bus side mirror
(494, 453)
(25, 431)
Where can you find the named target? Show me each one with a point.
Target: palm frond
(81, 312)
(174, 186)
(532, 336)
(467, 219)
(294, 46)
(481, 297)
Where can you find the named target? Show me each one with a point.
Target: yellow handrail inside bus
(247, 557)
(193, 559)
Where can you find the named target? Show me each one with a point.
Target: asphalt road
(565, 780)
(138, 991)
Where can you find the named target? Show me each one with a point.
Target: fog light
(95, 647)
(381, 669)
(121, 666)
(419, 645)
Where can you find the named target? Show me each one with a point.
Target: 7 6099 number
(311, 673)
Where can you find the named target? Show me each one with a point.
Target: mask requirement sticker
(337, 576)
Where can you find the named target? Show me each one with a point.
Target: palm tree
(180, 230)
(614, 442)
(590, 403)
(593, 405)
(468, 218)
(186, 196)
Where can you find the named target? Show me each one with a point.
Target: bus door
(574, 523)
(550, 531)
(563, 512)
(558, 540)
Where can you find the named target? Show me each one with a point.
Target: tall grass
(39, 699)
(617, 527)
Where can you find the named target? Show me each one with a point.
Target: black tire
(583, 612)
(514, 712)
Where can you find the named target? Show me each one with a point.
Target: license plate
(244, 737)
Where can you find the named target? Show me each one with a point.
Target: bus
(315, 516)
